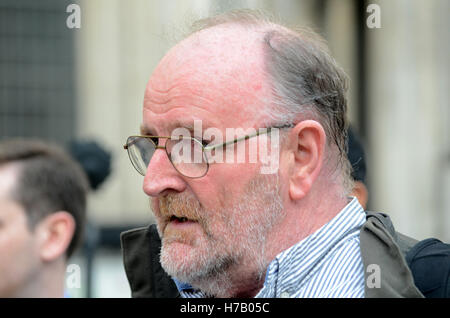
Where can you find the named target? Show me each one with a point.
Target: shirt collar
(289, 269)
(182, 286)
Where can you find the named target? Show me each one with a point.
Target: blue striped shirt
(327, 263)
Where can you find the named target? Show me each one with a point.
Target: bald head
(223, 66)
(259, 73)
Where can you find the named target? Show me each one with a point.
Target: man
(228, 230)
(42, 214)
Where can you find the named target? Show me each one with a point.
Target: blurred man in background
(429, 259)
(42, 215)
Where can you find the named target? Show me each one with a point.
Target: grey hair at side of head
(306, 81)
(308, 84)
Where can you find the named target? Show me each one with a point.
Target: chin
(192, 263)
(181, 260)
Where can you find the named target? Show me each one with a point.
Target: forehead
(9, 208)
(8, 179)
(218, 73)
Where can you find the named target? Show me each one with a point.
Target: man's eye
(155, 140)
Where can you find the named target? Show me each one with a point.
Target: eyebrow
(146, 131)
(177, 123)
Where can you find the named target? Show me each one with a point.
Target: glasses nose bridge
(156, 144)
(163, 146)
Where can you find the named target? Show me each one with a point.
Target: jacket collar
(141, 248)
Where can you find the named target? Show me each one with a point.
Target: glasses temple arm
(237, 140)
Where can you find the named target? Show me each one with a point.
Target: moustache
(180, 206)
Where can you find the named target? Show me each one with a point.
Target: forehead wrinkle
(177, 117)
(183, 92)
(181, 100)
(220, 100)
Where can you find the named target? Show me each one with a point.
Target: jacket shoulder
(378, 244)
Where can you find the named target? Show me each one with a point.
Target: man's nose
(161, 176)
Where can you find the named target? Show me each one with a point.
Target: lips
(180, 229)
(181, 219)
(178, 212)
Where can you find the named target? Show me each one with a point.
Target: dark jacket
(379, 244)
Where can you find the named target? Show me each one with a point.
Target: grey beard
(259, 210)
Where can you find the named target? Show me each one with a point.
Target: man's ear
(55, 233)
(307, 143)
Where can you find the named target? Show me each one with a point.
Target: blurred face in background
(361, 193)
(18, 253)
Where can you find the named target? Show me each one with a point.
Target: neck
(237, 282)
(305, 217)
(301, 219)
(47, 283)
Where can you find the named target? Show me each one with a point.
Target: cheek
(232, 180)
(14, 237)
(154, 206)
(18, 259)
(209, 191)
